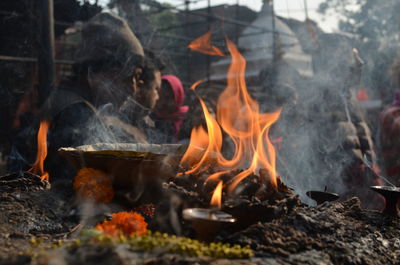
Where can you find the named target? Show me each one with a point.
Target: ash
(288, 232)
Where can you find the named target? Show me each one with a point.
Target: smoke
(116, 118)
(312, 154)
(97, 132)
(319, 124)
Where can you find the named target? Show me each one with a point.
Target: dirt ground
(332, 233)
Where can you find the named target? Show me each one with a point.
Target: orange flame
(38, 166)
(203, 45)
(238, 116)
(217, 196)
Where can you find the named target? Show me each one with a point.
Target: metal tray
(128, 164)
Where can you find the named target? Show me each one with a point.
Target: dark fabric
(164, 131)
(69, 115)
(71, 127)
(59, 100)
(137, 115)
(132, 112)
(73, 122)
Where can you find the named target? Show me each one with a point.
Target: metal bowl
(322, 196)
(207, 222)
(131, 166)
(387, 190)
(209, 215)
(392, 195)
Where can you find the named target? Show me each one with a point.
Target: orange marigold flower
(123, 223)
(94, 185)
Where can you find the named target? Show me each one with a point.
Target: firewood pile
(22, 181)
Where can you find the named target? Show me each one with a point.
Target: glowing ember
(203, 45)
(93, 185)
(38, 166)
(217, 196)
(123, 224)
(238, 116)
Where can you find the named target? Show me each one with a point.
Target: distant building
(257, 45)
(225, 21)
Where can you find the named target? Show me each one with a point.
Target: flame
(238, 116)
(203, 45)
(38, 166)
(217, 196)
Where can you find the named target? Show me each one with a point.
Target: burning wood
(239, 118)
(249, 173)
(22, 182)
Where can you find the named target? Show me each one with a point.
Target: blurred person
(322, 132)
(390, 140)
(345, 142)
(389, 130)
(344, 139)
(113, 91)
(135, 112)
(169, 112)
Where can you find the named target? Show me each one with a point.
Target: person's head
(172, 95)
(170, 105)
(114, 64)
(148, 92)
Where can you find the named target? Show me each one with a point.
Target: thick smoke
(320, 122)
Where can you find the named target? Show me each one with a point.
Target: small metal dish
(207, 222)
(391, 195)
(322, 196)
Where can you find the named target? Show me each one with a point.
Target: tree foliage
(370, 19)
(376, 25)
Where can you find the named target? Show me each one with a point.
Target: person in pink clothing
(169, 113)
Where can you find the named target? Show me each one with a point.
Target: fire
(217, 196)
(203, 45)
(38, 166)
(239, 118)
